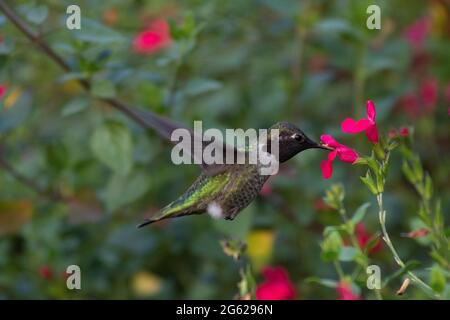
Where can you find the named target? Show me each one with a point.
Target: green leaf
(360, 213)
(334, 196)
(103, 89)
(437, 279)
(199, 86)
(74, 106)
(428, 192)
(331, 247)
(97, 33)
(348, 253)
(370, 184)
(328, 283)
(111, 143)
(16, 114)
(37, 14)
(124, 190)
(407, 171)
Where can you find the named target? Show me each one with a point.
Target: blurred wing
(164, 127)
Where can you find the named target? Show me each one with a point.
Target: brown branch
(41, 44)
(53, 196)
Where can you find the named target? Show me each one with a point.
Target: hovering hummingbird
(223, 190)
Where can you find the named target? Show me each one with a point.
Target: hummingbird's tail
(170, 211)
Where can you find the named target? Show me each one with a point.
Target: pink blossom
(2, 90)
(417, 32)
(343, 152)
(277, 285)
(154, 38)
(368, 124)
(345, 292)
(429, 93)
(363, 238)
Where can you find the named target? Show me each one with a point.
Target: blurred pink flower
(45, 272)
(394, 133)
(368, 124)
(2, 90)
(419, 233)
(345, 292)
(404, 131)
(153, 39)
(429, 93)
(417, 32)
(363, 238)
(277, 285)
(410, 103)
(343, 152)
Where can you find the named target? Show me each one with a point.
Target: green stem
(382, 216)
(339, 270)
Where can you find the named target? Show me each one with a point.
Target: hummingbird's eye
(299, 138)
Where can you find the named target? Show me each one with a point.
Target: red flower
(154, 38)
(404, 131)
(45, 272)
(394, 133)
(417, 32)
(2, 90)
(345, 292)
(429, 93)
(368, 125)
(277, 285)
(364, 237)
(410, 104)
(344, 153)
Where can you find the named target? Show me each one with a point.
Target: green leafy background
(232, 64)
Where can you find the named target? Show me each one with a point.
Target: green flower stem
(382, 216)
(339, 270)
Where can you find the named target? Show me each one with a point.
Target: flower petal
(349, 125)
(332, 155)
(347, 154)
(371, 112)
(329, 140)
(327, 168)
(372, 133)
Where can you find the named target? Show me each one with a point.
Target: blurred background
(232, 64)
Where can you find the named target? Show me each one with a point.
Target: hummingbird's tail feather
(167, 213)
(145, 223)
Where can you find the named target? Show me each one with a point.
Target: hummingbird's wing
(164, 127)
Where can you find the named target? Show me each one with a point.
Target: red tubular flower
(368, 125)
(343, 152)
(345, 292)
(277, 285)
(364, 237)
(154, 38)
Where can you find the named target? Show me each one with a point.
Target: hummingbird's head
(292, 140)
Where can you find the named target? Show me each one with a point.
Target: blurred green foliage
(232, 64)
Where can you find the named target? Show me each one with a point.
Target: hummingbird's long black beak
(322, 145)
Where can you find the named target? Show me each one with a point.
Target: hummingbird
(224, 190)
